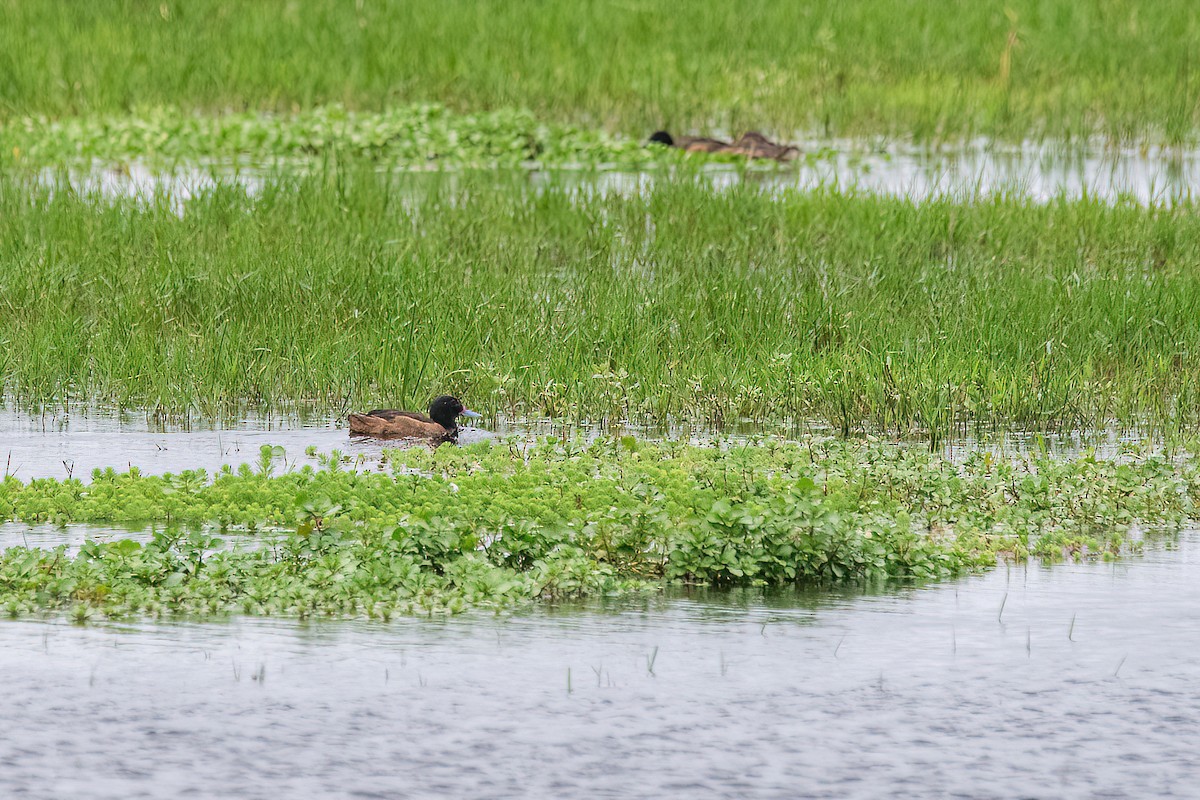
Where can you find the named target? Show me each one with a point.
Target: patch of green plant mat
(415, 137)
(347, 289)
(932, 70)
(493, 525)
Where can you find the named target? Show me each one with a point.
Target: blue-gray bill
(472, 414)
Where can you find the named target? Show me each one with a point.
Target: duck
(691, 144)
(441, 425)
(751, 144)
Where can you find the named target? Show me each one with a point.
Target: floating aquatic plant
(494, 525)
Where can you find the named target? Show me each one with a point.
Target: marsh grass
(350, 288)
(932, 69)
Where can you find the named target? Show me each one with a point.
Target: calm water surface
(974, 169)
(1084, 685)
(56, 444)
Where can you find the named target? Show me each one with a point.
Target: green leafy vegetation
(350, 289)
(932, 70)
(424, 136)
(496, 524)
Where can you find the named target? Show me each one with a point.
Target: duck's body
(751, 144)
(700, 144)
(387, 423)
(692, 144)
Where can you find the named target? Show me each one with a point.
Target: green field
(349, 288)
(933, 70)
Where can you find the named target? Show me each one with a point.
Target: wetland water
(57, 445)
(61, 445)
(1084, 686)
(981, 168)
(1076, 680)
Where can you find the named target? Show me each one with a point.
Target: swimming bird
(440, 426)
(751, 144)
(692, 144)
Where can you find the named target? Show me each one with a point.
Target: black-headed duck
(440, 426)
(692, 144)
(751, 144)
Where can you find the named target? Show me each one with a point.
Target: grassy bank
(351, 289)
(494, 525)
(932, 69)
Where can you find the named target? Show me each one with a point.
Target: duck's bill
(466, 412)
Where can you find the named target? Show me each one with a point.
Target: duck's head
(662, 137)
(445, 410)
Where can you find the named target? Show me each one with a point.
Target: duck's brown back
(700, 144)
(753, 144)
(386, 423)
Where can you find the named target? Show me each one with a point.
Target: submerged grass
(931, 69)
(494, 525)
(350, 288)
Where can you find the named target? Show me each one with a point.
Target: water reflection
(1071, 681)
(62, 444)
(978, 169)
(48, 536)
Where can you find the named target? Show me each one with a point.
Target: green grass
(496, 525)
(348, 289)
(931, 69)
